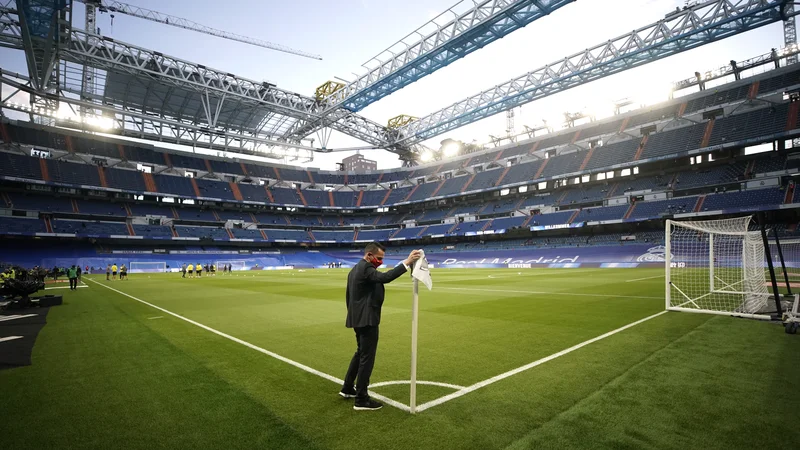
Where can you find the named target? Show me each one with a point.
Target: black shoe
(367, 405)
(348, 392)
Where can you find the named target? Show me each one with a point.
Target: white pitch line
(502, 376)
(15, 317)
(64, 287)
(645, 278)
(301, 366)
(10, 338)
(541, 292)
(427, 383)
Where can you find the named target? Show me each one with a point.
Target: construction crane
(166, 19)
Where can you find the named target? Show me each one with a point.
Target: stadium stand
(596, 147)
(601, 213)
(87, 228)
(19, 225)
(153, 231)
(655, 209)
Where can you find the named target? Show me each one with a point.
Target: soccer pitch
(533, 358)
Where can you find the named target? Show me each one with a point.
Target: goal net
(236, 265)
(716, 266)
(791, 257)
(147, 267)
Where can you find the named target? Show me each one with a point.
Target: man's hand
(413, 256)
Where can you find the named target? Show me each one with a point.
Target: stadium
(617, 280)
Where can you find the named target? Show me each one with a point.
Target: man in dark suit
(365, 294)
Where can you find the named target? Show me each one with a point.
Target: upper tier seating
(375, 235)
(761, 122)
(601, 213)
(202, 232)
(105, 208)
(654, 209)
(676, 135)
(556, 218)
(743, 199)
(130, 180)
(288, 235)
(175, 185)
(333, 236)
(247, 233)
(21, 225)
(505, 223)
(89, 228)
(79, 174)
(144, 209)
(161, 231)
(33, 202)
(19, 166)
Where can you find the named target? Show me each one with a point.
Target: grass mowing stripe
(502, 376)
(520, 443)
(304, 367)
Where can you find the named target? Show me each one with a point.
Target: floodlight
(426, 156)
(451, 149)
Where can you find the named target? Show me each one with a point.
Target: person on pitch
(364, 299)
(72, 274)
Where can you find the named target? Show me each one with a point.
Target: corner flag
(421, 271)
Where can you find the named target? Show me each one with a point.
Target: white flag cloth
(421, 271)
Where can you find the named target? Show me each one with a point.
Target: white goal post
(147, 267)
(236, 264)
(716, 267)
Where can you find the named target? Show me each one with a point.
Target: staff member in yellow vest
(190, 269)
(113, 271)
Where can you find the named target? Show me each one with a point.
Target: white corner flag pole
(414, 319)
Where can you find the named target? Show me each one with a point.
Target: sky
(347, 33)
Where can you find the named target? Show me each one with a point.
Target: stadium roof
(150, 95)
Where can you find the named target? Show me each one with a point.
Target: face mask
(376, 262)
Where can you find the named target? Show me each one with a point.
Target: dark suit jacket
(365, 293)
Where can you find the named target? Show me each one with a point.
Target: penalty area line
(520, 369)
(645, 278)
(573, 294)
(301, 366)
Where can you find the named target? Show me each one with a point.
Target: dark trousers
(73, 283)
(363, 361)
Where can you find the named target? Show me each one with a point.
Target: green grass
(111, 372)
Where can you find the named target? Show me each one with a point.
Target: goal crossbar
(236, 264)
(147, 266)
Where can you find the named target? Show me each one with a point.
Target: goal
(147, 267)
(717, 267)
(236, 264)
